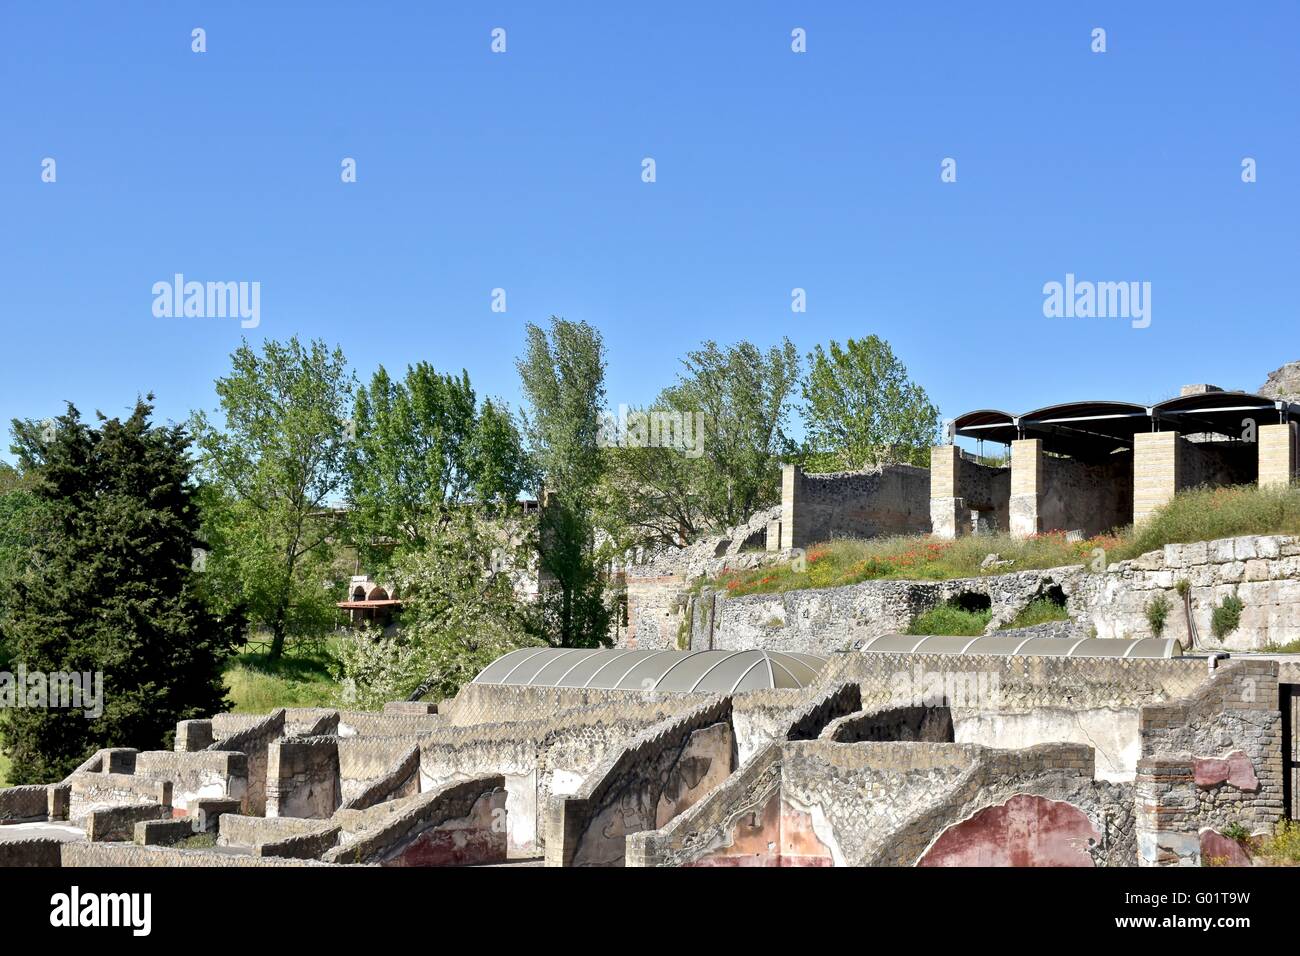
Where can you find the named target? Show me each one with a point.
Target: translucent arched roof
(1013, 645)
(721, 672)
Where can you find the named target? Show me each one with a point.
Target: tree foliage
(744, 395)
(460, 612)
(276, 467)
(111, 587)
(421, 446)
(862, 409)
(563, 377)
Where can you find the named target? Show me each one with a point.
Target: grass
(1199, 514)
(1204, 514)
(951, 620)
(1041, 611)
(302, 677)
(4, 770)
(848, 561)
(1292, 648)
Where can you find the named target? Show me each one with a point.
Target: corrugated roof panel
(559, 665)
(499, 668)
(1016, 645)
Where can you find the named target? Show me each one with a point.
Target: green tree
(111, 587)
(23, 522)
(422, 446)
(744, 396)
(861, 409)
(649, 496)
(459, 613)
(563, 377)
(277, 469)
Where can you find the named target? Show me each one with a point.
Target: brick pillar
(791, 488)
(1026, 486)
(949, 516)
(1166, 822)
(1155, 471)
(1277, 454)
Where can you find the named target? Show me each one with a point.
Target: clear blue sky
(775, 171)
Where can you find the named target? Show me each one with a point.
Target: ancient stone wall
(825, 620)
(822, 803)
(23, 804)
(252, 739)
(457, 824)
(520, 749)
(374, 769)
(302, 777)
(103, 791)
(1092, 497)
(642, 786)
(1263, 571)
(196, 775)
(885, 500)
(1209, 761)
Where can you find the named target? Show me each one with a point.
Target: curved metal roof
(1100, 427)
(1002, 645)
(721, 672)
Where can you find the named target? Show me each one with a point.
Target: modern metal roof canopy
(1100, 427)
(1011, 646)
(722, 672)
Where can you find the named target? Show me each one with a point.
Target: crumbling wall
(1018, 702)
(374, 769)
(660, 773)
(825, 620)
(1209, 761)
(929, 724)
(884, 500)
(252, 739)
(103, 791)
(458, 824)
(762, 716)
(521, 750)
(822, 803)
(302, 777)
(196, 775)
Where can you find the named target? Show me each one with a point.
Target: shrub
(1040, 611)
(1226, 617)
(1283, 846)
(1158, 613)
(951, 619)
(1235, 831)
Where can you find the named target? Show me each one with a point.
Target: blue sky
(775, 170)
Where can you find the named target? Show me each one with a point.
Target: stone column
(949, 516)
(1026, 486)
(1277, 455)
(791, 487)
(1155, 471)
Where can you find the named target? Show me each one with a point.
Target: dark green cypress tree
(113, 587)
